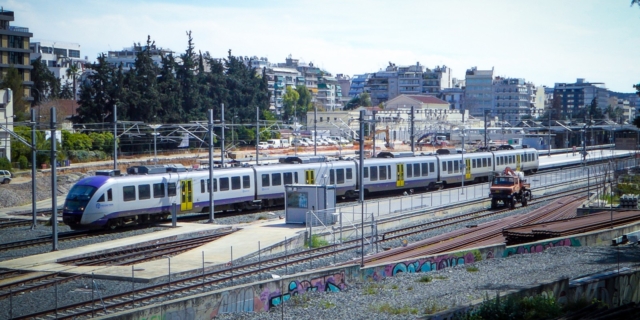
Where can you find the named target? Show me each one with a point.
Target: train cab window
(374, 173)
(365, 172)
(109, 195)
(265, 180)
(383, 172)
(101, 199)
(276, 179)
(235, 183)
(172, 189)
(409, 170)
(144, 192)
(129, 193)
(287, 177)
(349, 173)
(158, 189)
(416, 169)
(224, 184)
(332, 177)
(340, 176)
(246, 182)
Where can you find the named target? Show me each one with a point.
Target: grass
(324, 304)
(394, 287)
(317, 242)
(300, 300)
(472, 269)
(440, 277)
(425, 279)
(409, 288)
(433, 307)
(261, 217)
(372, 289)
(395, 310)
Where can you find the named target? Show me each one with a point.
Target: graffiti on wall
(539, 247)
(330, 283)
(427, 264)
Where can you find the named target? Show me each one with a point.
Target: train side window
(444, 166)
(265, 180)
(201, 187)
(224, 184)
(365, 172)
(389, 172)
(332, 177)
(374, 173)
(456, 166)
(383, 172)
(450, 166)
(473, 163)
(276, 179)
(409, 170)
(349, 173)
(432, 168)
(425, 167)
(489, 162)
(416, 169)
(246, 182)
(287, 177)
(101, 199)
(295, 177)
(158, 190)
(144, 192)
(235, 183)
(484, 162)
(129, 193)
(172, 189)
(340, 176)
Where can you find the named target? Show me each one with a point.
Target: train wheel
(240, 206)
(112, 224)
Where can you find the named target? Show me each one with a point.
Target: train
(147, 193)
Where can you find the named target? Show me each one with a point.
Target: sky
(542, 41)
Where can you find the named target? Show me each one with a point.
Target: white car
(5, 176)
(299, 143)
(263, 146)
(329, 141)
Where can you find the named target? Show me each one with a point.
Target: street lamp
(155, 134)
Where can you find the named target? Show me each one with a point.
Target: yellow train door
(186, 196)
(400, 175)
(467, 170)
(517, 162)
(309, 177)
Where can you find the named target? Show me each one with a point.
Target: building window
(74, 53)
(60, 52)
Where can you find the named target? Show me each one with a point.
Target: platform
(216, 253)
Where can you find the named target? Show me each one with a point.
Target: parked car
(284, 143)
(320, 142)
(299, 143)
(5, 176)
(263, 146)
(339, 140)
(308, 141)
(330, 142)
(274, 143)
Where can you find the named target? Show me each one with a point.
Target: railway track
(9, 223)
(231, 273)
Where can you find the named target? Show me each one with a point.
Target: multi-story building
(344, 83)
(454, 96)
(382, 84)
(14, 51)
(6, 119)
(127, 56)
(59, 57)
(479, 92)
(575, 96)
(436, 80)
(513, 98)
(358, 83)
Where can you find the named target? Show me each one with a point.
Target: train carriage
(525, 160)
(233, 189)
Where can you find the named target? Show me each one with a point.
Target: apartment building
(358, 83)
(59, 57)
(575, 96)
(6, 121)
(127, 56)
(14, 51)
(513, 98)
(479, 92)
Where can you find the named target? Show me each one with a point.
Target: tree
(365, 99)
(304, 101)
(72, 72)
(12, 80)
(290, 102)
(45, 83)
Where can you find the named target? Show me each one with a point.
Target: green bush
(5, 164)
(24, 163)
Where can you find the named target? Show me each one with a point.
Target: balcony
(18, 29)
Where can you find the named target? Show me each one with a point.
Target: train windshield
(78, 197)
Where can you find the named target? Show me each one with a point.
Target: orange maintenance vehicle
(510, 187)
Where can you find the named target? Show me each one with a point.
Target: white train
(148, 192)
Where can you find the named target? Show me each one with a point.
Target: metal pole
(169, 261)
(34, 222)
(373, 129)
(361, 184)
(549, 134)
(115, 137)
(211, 184)
(462, 163)
(259, 257)
(155, 147)
(286, 257)
(54, 182)
(133, 288)
(203, 277)
(231, 265)
(485, 130)
(222, 137)
(93, 303)
(413, 119)
(257, 133)
(315, 130)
